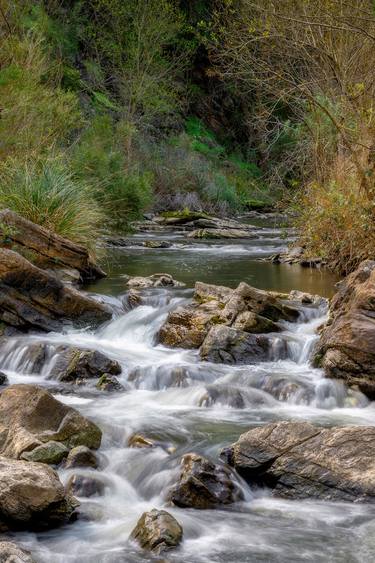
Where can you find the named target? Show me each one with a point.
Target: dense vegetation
(111, 108)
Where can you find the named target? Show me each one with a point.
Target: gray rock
(203, 484)
(76, 364)
(157, 531)
(12, 553)
(81, 456)
(228, 345)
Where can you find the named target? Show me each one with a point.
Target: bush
(49, 195)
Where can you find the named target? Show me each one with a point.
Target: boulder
(31, 417)
(76, 364)
(32, 496)
(48, 248)
(50, 452)
(30, 298)
(157, 531)
(12, 553)
(245, 308)
(203, 484)
(3, 379)
(347, 345)
(227, 345)
(81, 456)
(155, 280)
(299, 460)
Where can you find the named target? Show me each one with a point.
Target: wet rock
(228, 345)
(222, 394)
(347, 346)
(256, 324)
(32, 496)
(31, 417)
(81, 456)
(157, 531)
(155, 280)
(109, 383)
(203, 484)
(133, 299)
(139, 441)
(12, 553)
(299, 460)
(221, 234)
(48, 247)
(157, 244)
(50, 452)
(74, 364)
(30, 298)
(85, 486)
(244, 308)
(3, 379)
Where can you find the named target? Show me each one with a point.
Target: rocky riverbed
(206, 422)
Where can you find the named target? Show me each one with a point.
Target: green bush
(49, 195)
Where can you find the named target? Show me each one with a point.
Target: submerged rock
(203, 484)
(32, 496)
(30, 298)
(12, 553)
(157, 531)
(30, 417)
(299, 460)
(347, 346)
(85, 485)
(155, 280)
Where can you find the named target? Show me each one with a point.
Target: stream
(213, 405)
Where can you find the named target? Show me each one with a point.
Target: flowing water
(187, 405)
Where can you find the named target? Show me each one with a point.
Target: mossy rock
(51, 452)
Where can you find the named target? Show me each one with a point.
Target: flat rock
(30, 298)
(299, 460)
(157, 531)
(32, 496)
(203, 484)
(155, 280)
(221, 234)
(30, 417)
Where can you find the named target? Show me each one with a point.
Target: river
(185, 419)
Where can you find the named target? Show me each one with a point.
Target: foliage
(49, 195)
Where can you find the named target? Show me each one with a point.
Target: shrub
(49, 195)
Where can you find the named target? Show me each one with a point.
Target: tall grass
(49, 195)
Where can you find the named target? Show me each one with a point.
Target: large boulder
(203, 484)
(347, 346)
(157, 531)
(32, 298)
(245, 308)
(32, 421)
(32, 496)
(12, 553)
(49, 249)
(299, 460)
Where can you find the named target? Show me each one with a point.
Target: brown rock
(32, 496)
(157, 531)
(50, 248)
(81, 456)
(347, 346)
(32, 298)
(30, 417)
(299, 460)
